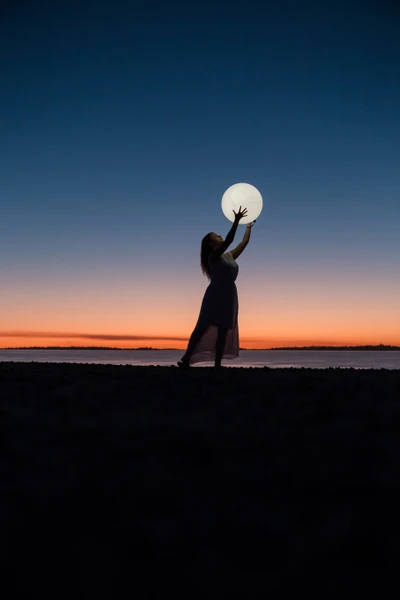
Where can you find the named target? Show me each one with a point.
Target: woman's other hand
(240, 214)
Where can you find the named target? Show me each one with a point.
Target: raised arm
(240, 247)
(218, 252)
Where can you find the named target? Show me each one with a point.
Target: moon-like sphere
(246, 196)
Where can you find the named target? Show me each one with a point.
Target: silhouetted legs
(193, 341)
(220, 345)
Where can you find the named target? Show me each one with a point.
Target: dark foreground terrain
(149, 482)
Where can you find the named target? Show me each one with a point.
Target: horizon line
(246, 341)
(36, 347)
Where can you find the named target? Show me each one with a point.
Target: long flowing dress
(219, 308)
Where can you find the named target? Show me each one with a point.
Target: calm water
(257, 358)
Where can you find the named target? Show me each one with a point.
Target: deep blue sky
(122, 125)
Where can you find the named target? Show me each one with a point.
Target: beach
(126, 481)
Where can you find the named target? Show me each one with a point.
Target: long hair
(206, 249)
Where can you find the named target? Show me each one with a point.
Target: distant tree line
(382, 347)
(367, 347)
(85, 348)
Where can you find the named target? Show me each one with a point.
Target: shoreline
(257, 359)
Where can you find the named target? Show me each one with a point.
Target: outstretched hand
(240, 214)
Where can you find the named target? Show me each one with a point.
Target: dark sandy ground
(148, 482)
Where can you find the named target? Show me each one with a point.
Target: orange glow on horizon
(25, 339)
(274, 311)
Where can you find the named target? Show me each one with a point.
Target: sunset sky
(123, 123)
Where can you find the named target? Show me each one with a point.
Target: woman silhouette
(216, 334)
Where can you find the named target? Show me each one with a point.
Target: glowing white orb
(246, 196)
